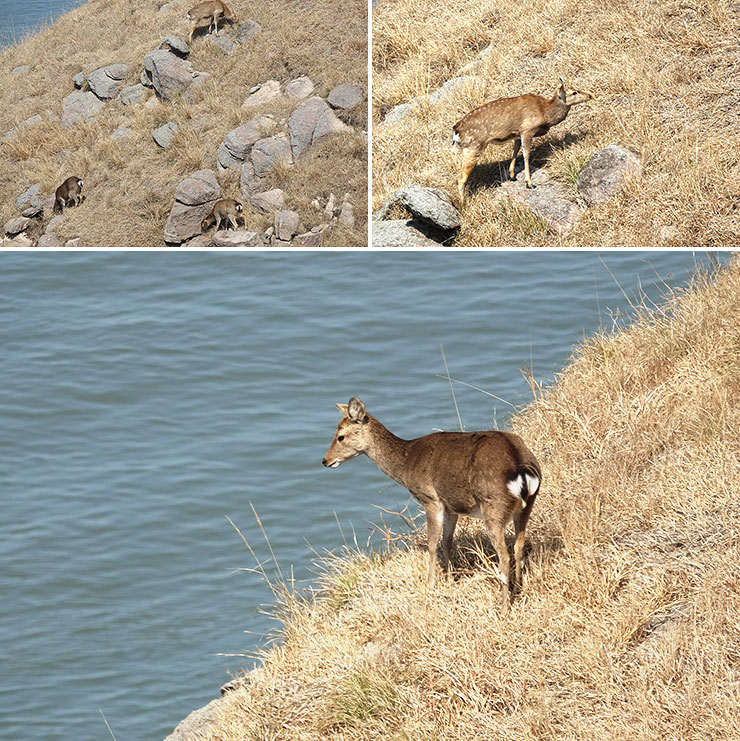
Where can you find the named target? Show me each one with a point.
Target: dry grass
(665, 76)
(130, 182)
(627, 625)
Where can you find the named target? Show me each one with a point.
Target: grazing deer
(209, 11)
(491, 475)
(226, 210)
(517, 119)
(69, 193)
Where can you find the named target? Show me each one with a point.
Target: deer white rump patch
(455, 138)
(516, 486)
(533, 484)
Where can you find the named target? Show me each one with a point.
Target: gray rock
(106, 81)
(53, 223)
(164, 8)
(268, 201)
(223, 42)
(198, 724)
(32, 212)
(202, 240)
(79, 80)
(21, 70)
(176, 44)
(165, 134)
(17, 225)
(347, 215)
(236, 145)
(247, 31)
(133, 94)
(309, 239)
(266, 153)
(345, 96)
(121, 133)
(548, 200)
(79, 106)
(194, 198)
(431, 205)
(31, 121)
(330, 207)
(145, 80)
(603, 175)
(286, 225)
(74, 242)
(49, 239)
(236, 238)
(442, 92)
(311, 122)
(299, 88)
(247, 180)
(397, 113)
(264, 93)
(399, 233)
(20, 240)
(169, 74)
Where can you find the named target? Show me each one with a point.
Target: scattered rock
(397, 113)
(548, 200)
(268, 201)
(266, 153)
(286, 225)
(49, 239)
(74, 242)
(238, 142)
(133, 94)
(54, 222)
(299, 88)
(222, 42)
(247, 180)
(431, 205)
(169, 74)
(121, 133)
(106, 81)
(399, 233)
(442, 92)
(311, 122)
(236, 238)
(79, 106)
(310, 239)
(177, 45)
(165, 134)
(194, 198)
(79, 80)
(330, 206)
(264, 93)
(164, 8)
(347, 214)
(19, 70)
(247, 31)
(603, 175)
(32, 212)
(17, 225)
(145, 80)
(20, 240)
(345, 96)
(202, 240)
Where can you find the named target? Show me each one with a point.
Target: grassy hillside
(130, 182)
(665, 79)
(627, 626)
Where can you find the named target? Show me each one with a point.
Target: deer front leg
(435, 517)
(526, 145)
(512, 166)
(470, 157)
(495, 525)
(450, 522)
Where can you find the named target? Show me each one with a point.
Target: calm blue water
(22, 18)
(145, 396)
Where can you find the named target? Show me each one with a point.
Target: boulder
(165, 134)
(17, 225)
(79, 80)
(169, 74)
(347, 214)
(399, 233)
(236, 145)
(32, 212)
(268, 201)
(311, 122)
(309, 239)
(247, 180)
(106, 81)
(133, 94)
(79, 106)
(397, 113)
(266, 153)
(430, 205)
(247, 31)
(603, 175)
(236, 238)
(286, 225)
(194, 198)
(199, 723)
(299, 88)
(222, 42)
(177, 45)
(49, 239)
(264, 93)
(345, 96)
(442, 92)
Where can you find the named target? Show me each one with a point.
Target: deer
(517, 119)
(211, 11)
(69, 193)
(490, 475)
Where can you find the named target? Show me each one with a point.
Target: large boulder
(399, 233)
(237, 144)
(345, 96)
(237, 238)
(311, 122)
(176, 44)
(106, 81)
(264, 93)
(266, 153)
(268, 201)
(603, 175)
(17, 225)
(194, 198)
(299, 88)
(430, 205)
(133, 94)
(79, 106)
(169, 75)
(31, 196)
(286, 225)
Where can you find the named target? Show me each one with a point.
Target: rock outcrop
(194, 198)
(310, 123)
(79, 106)
(233, 150)
(105, 82)
(603, 175)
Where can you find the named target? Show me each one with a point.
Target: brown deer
(491, 475)
(226, 210)
(69, 193)
(209, 11)
(517, 119)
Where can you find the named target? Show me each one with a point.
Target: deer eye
(340, 438)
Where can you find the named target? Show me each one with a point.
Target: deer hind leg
(520, 525)
(435, 517)
(495, 524)
(450, 522)
(526, 145)
(512, 166)
(470, 157)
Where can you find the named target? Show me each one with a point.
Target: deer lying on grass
(517, 119)
(209, 11)
(491, 475)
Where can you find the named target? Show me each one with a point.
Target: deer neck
(556, 111)
(387, 451)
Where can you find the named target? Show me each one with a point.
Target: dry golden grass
(665, 76)
(129, 183)
(627, 625)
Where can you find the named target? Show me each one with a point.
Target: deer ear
(562, 92)
(356, 411)
(343, 409)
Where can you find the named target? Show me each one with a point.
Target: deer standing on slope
(491, 475)
(517, 119)
(210, 11)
